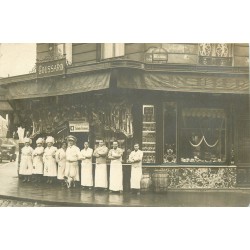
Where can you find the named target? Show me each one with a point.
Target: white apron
(26, 165)
(101, 177)
(61, 160)
(50, 168)
(38, 160)
(86, 170)
(136, 169)
(72, 168)
(116, 174)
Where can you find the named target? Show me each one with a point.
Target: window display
(170, 126)
(148, 134)
(203, 135)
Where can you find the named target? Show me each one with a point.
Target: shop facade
(191, 121)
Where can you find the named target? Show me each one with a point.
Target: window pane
(107, 51)
(119, 49)
(169, 154)
(203, 135)
(68, 51)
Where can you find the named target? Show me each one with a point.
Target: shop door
(81, 138)
(243, 169)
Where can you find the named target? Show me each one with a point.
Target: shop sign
(51, 68)
(78, 126)
(156, 55)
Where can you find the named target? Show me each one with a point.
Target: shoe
(24, 180)
(138, 193)
(90, 188)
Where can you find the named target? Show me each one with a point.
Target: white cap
(50, 139)
(27, 140)
(39, 140)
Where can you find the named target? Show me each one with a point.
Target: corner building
(186, 104)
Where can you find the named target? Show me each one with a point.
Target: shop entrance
(81, 138)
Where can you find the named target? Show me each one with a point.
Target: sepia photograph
(124, 124)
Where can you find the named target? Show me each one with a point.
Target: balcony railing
(218, 61)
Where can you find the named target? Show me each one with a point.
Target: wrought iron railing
(218, 61)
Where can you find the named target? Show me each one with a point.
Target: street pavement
(18, 203)
(15, 193)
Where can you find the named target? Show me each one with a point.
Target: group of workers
(62, 164)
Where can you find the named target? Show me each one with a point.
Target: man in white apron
(86, 170)
(135, 158)
(101, 179)
(61, 161)
(116, 174)
(72, 157)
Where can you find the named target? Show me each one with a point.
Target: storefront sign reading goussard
(78, 126)
(51, 68)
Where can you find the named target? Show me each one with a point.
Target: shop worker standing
(38, 160)
(101, 179)
(49, 159)
(26, 166)
(86, 173)
(116, 174)
(135, 158)
(61, 160)
(72, 157)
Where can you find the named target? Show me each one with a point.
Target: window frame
(114, 53)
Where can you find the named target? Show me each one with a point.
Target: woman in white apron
(26, 165)
(87, 169)
(38, 160)
(61, 160)
(116, 174)
(49, 159)
(135, 158)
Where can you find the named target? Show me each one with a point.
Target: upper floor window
(215, 54)
(58, 50)
(110, 50)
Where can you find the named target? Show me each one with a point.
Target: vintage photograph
(124, 125)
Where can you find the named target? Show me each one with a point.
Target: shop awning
(59, 86)
(183, 82)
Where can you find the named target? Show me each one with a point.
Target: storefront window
(170, 115)
(203, 135)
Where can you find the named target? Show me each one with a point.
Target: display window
(203, 135)
(169, 133)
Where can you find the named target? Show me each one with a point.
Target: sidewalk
(13, 188)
